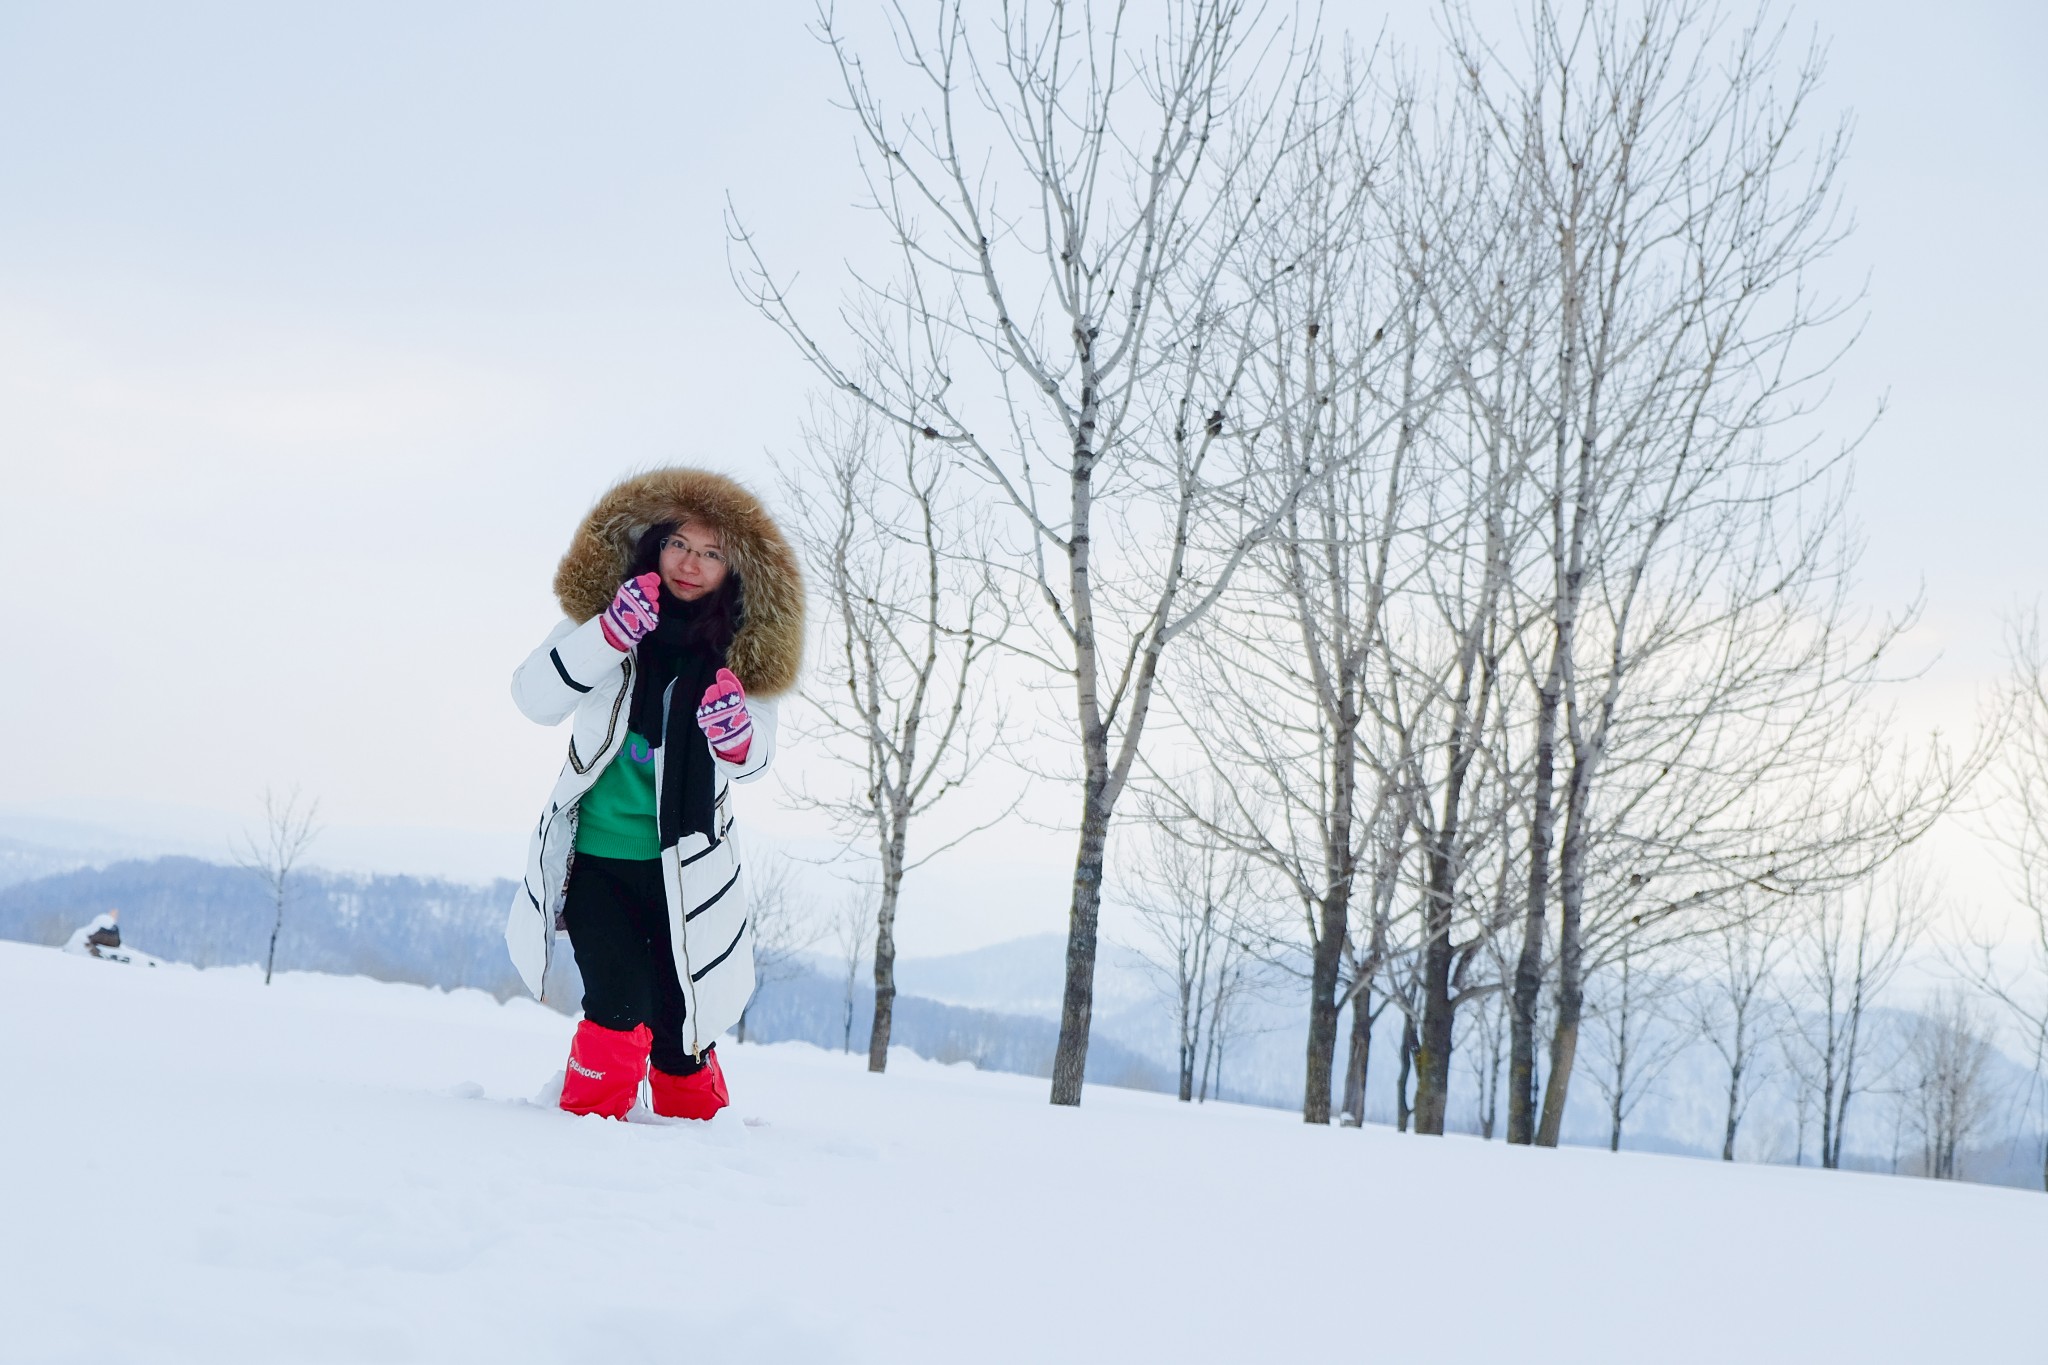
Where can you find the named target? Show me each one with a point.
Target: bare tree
(1071, 202)
(1634, 1039)
(1735, 1011)
(1452, 620)
(1948, 1092)
(784, 927)
(1486, 1031)
(851, 924)
(1846, 948)
(289, 829)
(2019, 824)
(1370, 626)
(1187, 894)
(1692, 656)
(1368, 956)
(911, 624)
(1238, 976)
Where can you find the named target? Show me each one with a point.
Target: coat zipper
(549, 896)
(675, 854)
(611, 726)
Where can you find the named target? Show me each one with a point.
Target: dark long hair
(714, 619)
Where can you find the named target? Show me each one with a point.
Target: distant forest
(451, 934)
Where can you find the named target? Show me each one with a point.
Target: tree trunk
(1359, 1059)
(885, 968)
(1077, 1005)
(885, 1001)
(1528, 989)
(1433, 1039)
(276, 928)
(1194, 986)
(1564, 1041)
(1190, 1030)
(1340, 867)
(1835, 1104)
(1489, 1117)
(1433, 1050)
(1571, 984)
(1617, 1104)
(1735, 1070)
(1401, 1107)
(1728, 1132)
(1209, 1062)
(1070, 1060)
(1564, 1048)
(1322, 1007)
(1439, 1006)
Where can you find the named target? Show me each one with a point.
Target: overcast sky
(320, 327)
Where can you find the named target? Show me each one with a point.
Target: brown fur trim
(770, 646)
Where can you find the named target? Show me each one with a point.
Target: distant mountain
(807, 1006)
(450, 934)
(1265, 1060)
(411, 929)
(1022, 976)
(996, 1007)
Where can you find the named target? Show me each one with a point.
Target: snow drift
(335, 1169)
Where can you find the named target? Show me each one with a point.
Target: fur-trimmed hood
(769, 647)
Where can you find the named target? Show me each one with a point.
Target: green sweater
(615, 819)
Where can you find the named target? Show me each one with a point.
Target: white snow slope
(196, 1168)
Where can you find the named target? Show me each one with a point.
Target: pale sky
(320, 327)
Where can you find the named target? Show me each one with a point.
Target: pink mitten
(723, 718)
(633, 612)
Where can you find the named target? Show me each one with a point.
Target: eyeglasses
(683, 547)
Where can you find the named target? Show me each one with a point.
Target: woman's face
(693, 560)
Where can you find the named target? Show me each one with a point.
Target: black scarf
(675, 652)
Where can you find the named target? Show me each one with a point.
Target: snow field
(195, 1168)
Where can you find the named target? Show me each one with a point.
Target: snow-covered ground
(195, 1168)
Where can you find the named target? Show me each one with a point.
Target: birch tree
(1071, 196)
(289, 829)
(1634, 1038)
(1697, 657)
(1274, 693)
(1948, 1094)
(1847, 947)
(2015, 973)
(852, 922)
(912, 624)
(785, 928)
(1735, 1010)
(1188, 893)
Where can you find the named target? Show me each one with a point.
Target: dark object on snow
(102, 939)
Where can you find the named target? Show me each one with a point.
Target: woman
(685, 620)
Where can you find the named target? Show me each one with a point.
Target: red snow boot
(698, 1095)
(605, 1067)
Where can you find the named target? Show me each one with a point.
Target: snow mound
(101, 938)
(336, 1169)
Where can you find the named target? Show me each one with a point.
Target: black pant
(617, 916)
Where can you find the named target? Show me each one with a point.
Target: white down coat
(576, 675)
